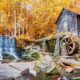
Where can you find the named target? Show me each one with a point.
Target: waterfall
(1, 47)
(13, 47)
(7, 46)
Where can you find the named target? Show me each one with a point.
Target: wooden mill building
(69, 21)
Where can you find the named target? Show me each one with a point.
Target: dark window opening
(78, 24)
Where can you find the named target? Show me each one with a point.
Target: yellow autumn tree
(32, 19)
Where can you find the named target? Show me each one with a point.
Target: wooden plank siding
(68, 22)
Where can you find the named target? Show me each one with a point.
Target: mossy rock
(27, 51)
(35, 55)
(8, 57)
(77, 72)
(26, 58)
(53, 72)
(31, 57)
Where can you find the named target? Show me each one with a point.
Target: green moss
(30, 56)
(53, 72)
(26, 58)
(77, 72)
(8, 57)
(35, 55)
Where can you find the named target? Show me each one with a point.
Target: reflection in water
(7, 46)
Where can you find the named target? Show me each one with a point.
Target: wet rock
(15, 71)
(8, 72)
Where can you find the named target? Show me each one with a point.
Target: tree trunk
(15, 18)
(19, 26)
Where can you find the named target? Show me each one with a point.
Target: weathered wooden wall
(68, 22)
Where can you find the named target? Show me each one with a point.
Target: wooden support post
(19, 26)
(57, 47)
(63, 50)
(44, 47)
(79, 48)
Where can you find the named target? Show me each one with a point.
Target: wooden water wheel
(70, 44)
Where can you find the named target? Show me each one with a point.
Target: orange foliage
(37, 16)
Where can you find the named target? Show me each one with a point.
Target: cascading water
(8, 46)
(13, 47)
(1, 47)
